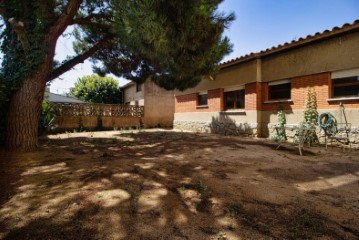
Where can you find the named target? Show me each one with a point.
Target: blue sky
(259, 24)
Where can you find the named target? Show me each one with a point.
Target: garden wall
(96, 116)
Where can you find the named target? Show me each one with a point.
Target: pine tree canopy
(175, 43)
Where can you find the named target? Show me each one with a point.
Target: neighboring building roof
(52, 97)
(128, 85)
(295, 43)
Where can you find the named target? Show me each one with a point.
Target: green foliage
(47, 116)
(310, 119)
(203, 191)
(174, 42)
(19, 63)
(234, 209)
(279, 134)
(97, 89)
(204, 195)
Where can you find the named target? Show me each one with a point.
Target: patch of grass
(307, 220)
(234, 209)
(182, 188)
(209, 230)
(204, 195)
(183, 135)
(203, 191)
(304, 223)
(221, 235)
(293, 233)
(114, 139)
(256, 224)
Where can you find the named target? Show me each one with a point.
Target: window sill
(234, 111)
(280, 101)
(342, 99)
(202, 106)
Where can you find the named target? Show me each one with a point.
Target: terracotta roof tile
(288, 45)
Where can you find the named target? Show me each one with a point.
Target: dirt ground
(161, 184)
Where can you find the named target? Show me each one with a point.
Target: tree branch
(19, 29)
(65, 18)
(47, 9)
(78, 59)
(89, 23)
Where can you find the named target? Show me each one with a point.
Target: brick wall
(252, 98)
(188, 103)
(257, 93)
(321, 83)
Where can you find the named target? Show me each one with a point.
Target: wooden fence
(89, 109)
(69, 116)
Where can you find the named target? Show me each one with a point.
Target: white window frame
(342, 74)
(279, 82)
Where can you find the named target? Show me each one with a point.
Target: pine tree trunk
(23, 115)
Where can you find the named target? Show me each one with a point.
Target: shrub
(279, 134)
(310, 119)
(47, 116)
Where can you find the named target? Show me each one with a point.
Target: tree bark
(23, 115)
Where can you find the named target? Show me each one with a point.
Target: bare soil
(161, 184)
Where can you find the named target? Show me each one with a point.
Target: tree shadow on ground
(148, 185)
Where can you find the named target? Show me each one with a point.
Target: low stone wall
(246, 129)
(290, 130)
(65, 123)
(220, 127)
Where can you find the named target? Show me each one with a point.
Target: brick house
(158, 103)
(244, 97)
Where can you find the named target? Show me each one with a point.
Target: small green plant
(182, 188)
(294, 233)
(234, 209)
(221, 235)
(91, 134)
(183, 135)
(279, 133)
(204, 195)
(68, 134)
(307, 220)
(47, 116)
(203, 191)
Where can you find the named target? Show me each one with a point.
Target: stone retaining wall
(253, 129)
(220, 127)
(290, 130)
